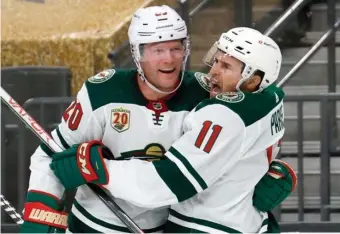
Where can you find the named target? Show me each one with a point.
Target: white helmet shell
(156, 24)
(255, 50)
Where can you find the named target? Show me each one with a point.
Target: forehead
(164, 44)
(225, 58)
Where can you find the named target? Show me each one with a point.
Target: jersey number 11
(212, 138)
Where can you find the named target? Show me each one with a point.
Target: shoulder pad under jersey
(251, 107)
(114, 86)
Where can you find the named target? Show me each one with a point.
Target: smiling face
(161, 63)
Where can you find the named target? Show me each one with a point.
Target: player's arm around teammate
(194, 163)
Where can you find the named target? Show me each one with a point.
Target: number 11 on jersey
(212, 137)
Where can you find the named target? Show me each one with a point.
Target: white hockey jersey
(209, 174)
(110, 108)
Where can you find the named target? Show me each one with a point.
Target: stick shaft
(102, 194)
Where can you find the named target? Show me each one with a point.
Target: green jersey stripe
(47, 150)
(62, 140)
(187, 164)
(75, 225)
(171, 227)
(203, 222)
(98, 221)
(174, 179)
(264, 227)
(108, 225)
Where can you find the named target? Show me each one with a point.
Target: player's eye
(177, 49)
(226, 65)
(158, 51)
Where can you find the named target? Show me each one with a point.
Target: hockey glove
(275, 186)
(43, 214)
(81, 164)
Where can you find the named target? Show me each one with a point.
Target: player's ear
(252, 84)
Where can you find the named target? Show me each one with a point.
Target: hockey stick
(11, 211)
(103, 194)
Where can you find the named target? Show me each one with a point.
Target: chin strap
(141, 76)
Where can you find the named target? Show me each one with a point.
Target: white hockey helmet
(156, 24)
(255, 50)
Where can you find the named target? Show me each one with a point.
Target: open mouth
(215, 86)
(167, 71)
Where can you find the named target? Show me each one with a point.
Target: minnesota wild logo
(151, 152)
(102, 76)
(232, 97)
(203, 80)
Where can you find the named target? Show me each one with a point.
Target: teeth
(213, 81)
(167, 71)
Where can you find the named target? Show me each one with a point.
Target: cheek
(179, 62)
(153, 66)
(230, 79)
(149, 70)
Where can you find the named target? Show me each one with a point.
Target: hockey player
(208, 175)
(135, 113)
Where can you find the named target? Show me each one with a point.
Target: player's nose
(214, 70)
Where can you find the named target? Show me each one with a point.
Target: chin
(169, 86)
(169, 79)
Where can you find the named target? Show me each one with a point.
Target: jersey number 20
(212, 137)
(73, 115)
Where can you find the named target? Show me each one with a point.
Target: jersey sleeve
(211, 145)
(78, 125)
